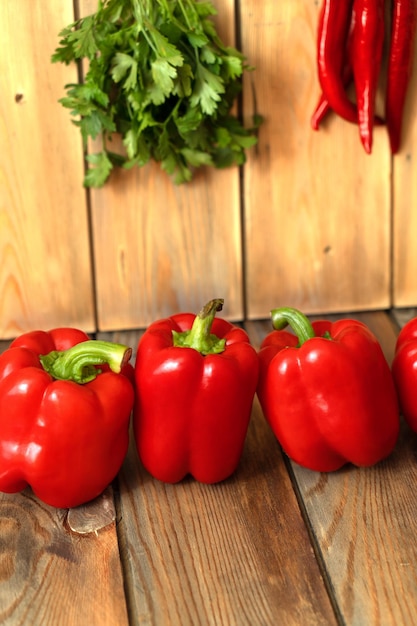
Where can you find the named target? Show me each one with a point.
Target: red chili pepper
(63, 423)
(333, 29)
(404, 370)
(327, 392)
(367, 46)
(323, 106)
(400, 63)
(196, 377)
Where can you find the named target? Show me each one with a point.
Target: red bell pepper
(404, 370)
(327, 392)
(196, 378)
(64, 419)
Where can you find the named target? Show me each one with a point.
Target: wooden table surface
(274, 544)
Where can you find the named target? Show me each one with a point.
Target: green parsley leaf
(207, 90)
(182, 87)
(79, 38)
(197, 40)
(191, 120)
(167, 50)
(96, 176)
(123, 64)
(159, 76)
(137, 149)
(233, 65)
(163, 74)
(196, 157)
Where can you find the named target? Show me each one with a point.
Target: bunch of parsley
(159, 75)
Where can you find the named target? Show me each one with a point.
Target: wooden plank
(317, 217)
(404, 203)
(402, 316)
(45, 272)
(364, 524)
(161, 248)
(233, 553)
(50, 574)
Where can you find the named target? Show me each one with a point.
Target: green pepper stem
(300, 324)
(79, 362)
(199, 336)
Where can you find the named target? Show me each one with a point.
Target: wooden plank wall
(310, 221)
(45, 272)
(317, 216)
(161, 248)
(404, 262)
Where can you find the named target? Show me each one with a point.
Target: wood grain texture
(92, 516)
(233, 553)
(404, 204)
(317, 208)
(161, 248)
(50, 575)
(363, 522)
(403, 315)
(45, 271)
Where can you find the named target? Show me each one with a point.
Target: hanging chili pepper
(350, 43)
(333, 29)
(400, 62)
(367, 45)
(323, 106)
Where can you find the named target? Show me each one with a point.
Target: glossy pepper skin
(344, 75)
(404, 370)
(333, 32)
(196, 378)
(359, 55)
(323, 107)
(400, 64)
(367, 46)
(63, 421)
(327, 392)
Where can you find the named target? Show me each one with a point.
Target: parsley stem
(185, 15)
(137, 11)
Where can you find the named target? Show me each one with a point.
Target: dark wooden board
(50, 574)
